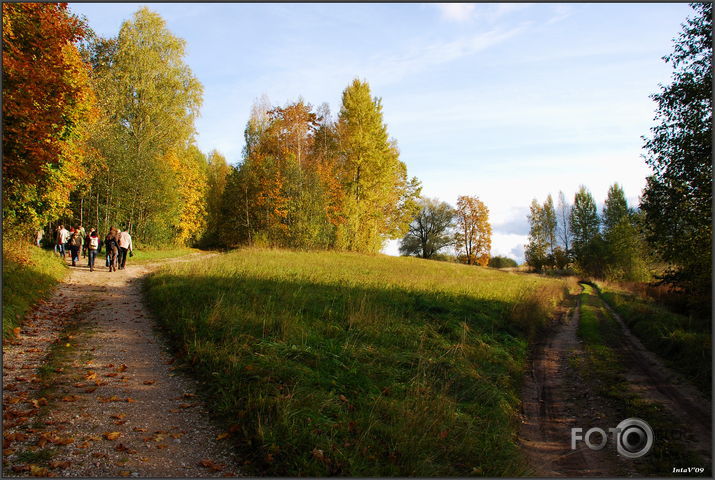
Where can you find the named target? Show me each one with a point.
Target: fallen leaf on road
(90, 389)
(112, 435)
(149, 382)
(69, 398)
(36, 471)
(122, 368)
(221, 436)
(58, 464)
(118, 416)
(124, 473)
(139, 429)
(213, 466)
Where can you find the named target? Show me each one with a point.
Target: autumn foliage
(47, 102)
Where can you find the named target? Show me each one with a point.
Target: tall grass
(29, 274)
(343, 364)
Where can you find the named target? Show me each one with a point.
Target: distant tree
(430, 231)
(217, 175)
(677, 199)
(563, 225)
(587, 243)
(615, 208)
(502, 262)
(47, 102)
(549, 224)
(473, 235)
(537, 250)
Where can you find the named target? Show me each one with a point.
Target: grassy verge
(685, 344)
(148, 254)
(603, 369)
(341, 364)
(29, 274)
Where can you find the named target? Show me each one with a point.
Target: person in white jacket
(125, 245)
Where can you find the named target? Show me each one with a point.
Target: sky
(507, 102)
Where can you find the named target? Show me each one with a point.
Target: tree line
(668, 238)
(607, 245)
(101, 131)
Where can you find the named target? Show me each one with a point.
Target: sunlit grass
(29, 274)
(345, 364)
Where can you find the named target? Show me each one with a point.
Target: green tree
(537, 250)
(217, 176)
(677, 200)
(549, 224)
(587, 243)
(502, 262)
(150, 102)
(379, 201)
(615, 208)
(430, 231)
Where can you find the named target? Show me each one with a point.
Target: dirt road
(109, 404)
(549, 410)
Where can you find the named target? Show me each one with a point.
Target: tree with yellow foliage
(474, 233)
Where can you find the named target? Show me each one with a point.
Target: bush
(502, 262)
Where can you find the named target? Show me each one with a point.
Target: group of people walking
(117, 245)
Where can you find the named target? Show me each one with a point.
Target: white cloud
(456, 12)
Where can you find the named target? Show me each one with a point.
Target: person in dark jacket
(111, 243)
(75, 245)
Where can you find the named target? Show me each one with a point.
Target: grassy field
(342, 364)
(28, 274)
(684, 343)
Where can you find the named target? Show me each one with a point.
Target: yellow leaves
(112, 435)
(36, 471)
(221, 436)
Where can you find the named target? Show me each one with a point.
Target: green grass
(684, 343)
(29, 274)
(148, 254)
(343, 364)
(603, 369)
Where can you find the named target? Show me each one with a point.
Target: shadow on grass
(339, 379)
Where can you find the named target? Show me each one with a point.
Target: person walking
(125, 245)
(112, 246)
(61, 240)
(38, 236)
(83, 232)
(94, 246)
(75, 245)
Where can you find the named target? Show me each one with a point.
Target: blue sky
(508, 102)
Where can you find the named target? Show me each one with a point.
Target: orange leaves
(112, 435)
(221, 436)
(149, 382)
(216, 467)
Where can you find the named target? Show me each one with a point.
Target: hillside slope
(343, 364)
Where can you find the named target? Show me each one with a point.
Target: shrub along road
(89, 390)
